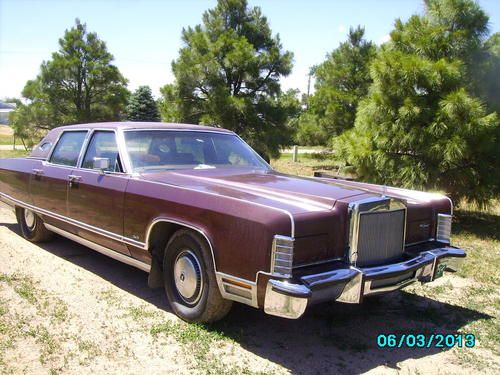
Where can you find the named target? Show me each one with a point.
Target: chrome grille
(380, 237)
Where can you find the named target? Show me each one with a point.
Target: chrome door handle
(37, 172)
(74, 179)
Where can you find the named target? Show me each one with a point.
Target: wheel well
(159, 236)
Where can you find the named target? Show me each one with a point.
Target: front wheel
(189, 279)
(32, 227)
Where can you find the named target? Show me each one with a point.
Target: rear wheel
(32, 227)
(189, 279)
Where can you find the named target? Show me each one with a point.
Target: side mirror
(101, 163)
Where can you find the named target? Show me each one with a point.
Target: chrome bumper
(351, 284)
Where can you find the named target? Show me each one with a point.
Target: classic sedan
(212, 222)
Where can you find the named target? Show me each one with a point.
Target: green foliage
(309, 132)
(79, 84)
(487, 73)
(341, 82)
(142, 106)
(228, 74)
(420, 127)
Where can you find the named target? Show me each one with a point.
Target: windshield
(152, 150)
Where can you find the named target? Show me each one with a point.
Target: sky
(144, 35)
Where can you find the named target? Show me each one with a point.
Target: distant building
(5, 109)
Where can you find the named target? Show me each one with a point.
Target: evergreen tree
(79, 84)
(341, 82)
(420, 127)
(228, 74)
(142, 106)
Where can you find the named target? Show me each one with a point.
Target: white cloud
(342, 28)
(386, 38)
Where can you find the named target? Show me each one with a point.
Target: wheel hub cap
(187, 276)
(29, 218)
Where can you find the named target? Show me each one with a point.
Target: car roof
(143, 125)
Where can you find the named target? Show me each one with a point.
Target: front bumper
(350, 284)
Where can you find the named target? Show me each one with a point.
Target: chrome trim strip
(219, 275)
(129, 241)
(101, 249)
(77, 223)
(175, 130)
(181, 223)
(451, 204)
(235, 297)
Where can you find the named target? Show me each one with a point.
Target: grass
(6, 135)
(38, 315)
(198, 341)
(13, 153)
(473, 308)
(306, 165)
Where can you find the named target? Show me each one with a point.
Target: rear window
(68, 148)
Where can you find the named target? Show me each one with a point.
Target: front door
(96, 196)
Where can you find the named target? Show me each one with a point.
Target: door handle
(37, 172)
(73, 180)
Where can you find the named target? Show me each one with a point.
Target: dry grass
(6, 135)
(115, 324)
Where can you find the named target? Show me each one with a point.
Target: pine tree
(420, 126)
(79, 84)
(341, 82)
(228, 74)
(142, 106)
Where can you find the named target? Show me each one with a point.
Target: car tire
(189, 279)
(32, 226)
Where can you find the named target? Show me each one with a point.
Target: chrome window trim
(177, 130)
(123, 131)
(86, 147)
(56, 142)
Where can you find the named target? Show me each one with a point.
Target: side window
(103, 145)
(68, 148)
(44, 147)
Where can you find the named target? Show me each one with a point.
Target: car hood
(296, 194)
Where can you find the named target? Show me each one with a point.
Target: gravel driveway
(67, 309)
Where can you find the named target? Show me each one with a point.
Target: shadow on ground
(481, 224)
(329, 338)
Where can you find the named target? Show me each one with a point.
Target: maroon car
(213, 223)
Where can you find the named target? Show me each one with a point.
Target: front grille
(380, 237)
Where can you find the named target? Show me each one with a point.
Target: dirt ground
(67, 309)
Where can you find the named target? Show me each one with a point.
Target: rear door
(49, 181)
(96, 197)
